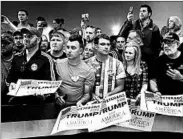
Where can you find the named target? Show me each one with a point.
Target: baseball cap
(31, 31)
(171, 37)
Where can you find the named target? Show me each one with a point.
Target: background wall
(103, 14)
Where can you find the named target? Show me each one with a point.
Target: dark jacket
(151, 36)
(39, 67)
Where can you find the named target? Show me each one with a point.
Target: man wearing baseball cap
(168, 75)
(31, 64)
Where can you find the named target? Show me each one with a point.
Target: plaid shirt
(106, 74)
(133, 83)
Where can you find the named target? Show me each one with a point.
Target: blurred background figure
(6, 59)
(174, 24)
(88, 51)
(45, 45)
(23, 19)
(18, 46)
(98, 31)
(41, 23)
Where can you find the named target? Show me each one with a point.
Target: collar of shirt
(30, 54)
(145, 23)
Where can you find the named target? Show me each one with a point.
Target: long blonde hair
(137, 58)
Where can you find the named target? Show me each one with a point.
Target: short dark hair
(103, 36)
(77, 38)
(120, 36)
(22, 10)
(40, 18)
(59, 20)
(90, 26)
(148, 8)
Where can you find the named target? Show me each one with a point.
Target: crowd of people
(91, 64)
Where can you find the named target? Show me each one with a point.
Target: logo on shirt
(34, 67)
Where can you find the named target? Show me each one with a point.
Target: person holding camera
(168, 73)
(150, 34)
(41, 23)
(58, 24)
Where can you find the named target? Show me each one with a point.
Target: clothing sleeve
(144, 73)
(49, 69)
(156, 41)
(90, 79)
(88, 87)
(120, 71)
(124, 31)
(13, 75)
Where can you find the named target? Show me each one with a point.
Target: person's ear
(96, 46)
(81, 51)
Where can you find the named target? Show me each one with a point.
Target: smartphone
(85, 17)
(131, 9)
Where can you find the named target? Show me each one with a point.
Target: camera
(85, 17)
(44, 24)
(131, 9)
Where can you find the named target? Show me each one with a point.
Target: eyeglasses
(169, 43)
(16, 38)
(103, 44)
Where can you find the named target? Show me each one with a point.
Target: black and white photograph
(91, 69)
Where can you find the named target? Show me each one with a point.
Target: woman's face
(171, 23)
(129, 54)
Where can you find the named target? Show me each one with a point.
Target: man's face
(90, 34)
(29, 41)
(44, 44)
(55, 25)
(170, 48)
(56, 43)
(131, 36)
(6, 48)
(120, 43)
(88, 51)
(73, 50)
(143, 14)
(98, 32)
(129, 54)
(22, 17)
(18, 40)
(103, 46)
(171, 23)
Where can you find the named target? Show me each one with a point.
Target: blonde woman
(136, 81)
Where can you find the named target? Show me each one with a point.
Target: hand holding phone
(130, 15)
